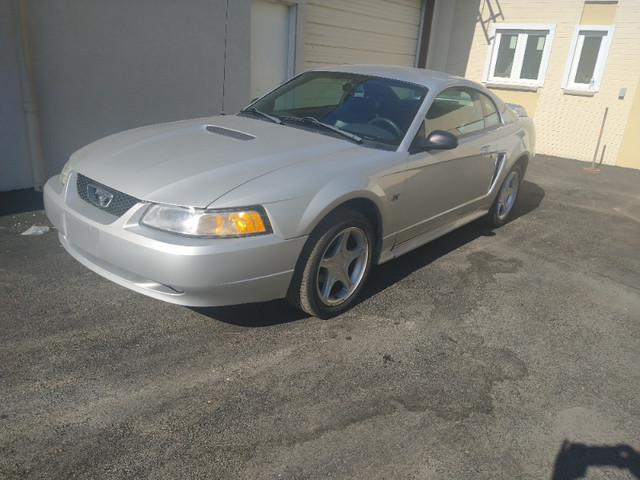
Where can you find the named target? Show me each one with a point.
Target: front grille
(98, 195)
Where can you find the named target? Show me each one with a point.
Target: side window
(491, 117)
(456, 110)
(587, 57)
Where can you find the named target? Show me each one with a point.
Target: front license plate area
(82, 235)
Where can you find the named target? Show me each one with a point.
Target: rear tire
(333, 265)
(502, 207)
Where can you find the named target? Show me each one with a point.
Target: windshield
(371, 108)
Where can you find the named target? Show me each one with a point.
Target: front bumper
(180, 270)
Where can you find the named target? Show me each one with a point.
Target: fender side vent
(496, 172)
(229, 133)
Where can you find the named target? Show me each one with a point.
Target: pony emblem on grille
(103, 197)
(98, 196)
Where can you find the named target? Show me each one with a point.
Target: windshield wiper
(315, 121)
(262, 114)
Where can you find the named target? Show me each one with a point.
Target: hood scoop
(227, 132)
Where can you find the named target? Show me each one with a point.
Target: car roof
(432, 79)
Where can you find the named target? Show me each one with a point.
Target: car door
(443, 185)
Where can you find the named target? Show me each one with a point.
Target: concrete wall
(104, 66)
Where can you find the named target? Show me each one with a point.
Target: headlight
(66, 171)
(195, 222)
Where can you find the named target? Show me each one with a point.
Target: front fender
(340, 191)
(298, 198)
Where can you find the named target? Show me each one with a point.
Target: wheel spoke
(507, 195)
(326, 284)
(352, 256)
(340, 268)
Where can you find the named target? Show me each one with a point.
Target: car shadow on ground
(386, 275)
(276, 312)
(254, 315)
(575, 459)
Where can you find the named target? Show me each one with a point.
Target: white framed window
(518, 54)
(587, 57)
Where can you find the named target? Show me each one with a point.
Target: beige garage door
(361, 31)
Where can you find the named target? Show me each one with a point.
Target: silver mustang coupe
(297, 195)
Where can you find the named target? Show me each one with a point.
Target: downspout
(28, 96)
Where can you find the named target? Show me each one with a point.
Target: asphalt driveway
(488, 354)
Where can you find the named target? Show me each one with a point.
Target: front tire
(333, 265)
(503, 204)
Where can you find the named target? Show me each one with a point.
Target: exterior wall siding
(624, 72)
(568, 125)
(630, 149)
(361, 31)
(103, 67)
(15, 171)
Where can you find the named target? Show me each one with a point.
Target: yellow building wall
(629, 155)
(598, 13)
(568, 125)
(528, 100)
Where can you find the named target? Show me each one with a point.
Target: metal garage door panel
(360, 31)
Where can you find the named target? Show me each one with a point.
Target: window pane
(588, 58)
(491, 117)
(406, 92)
(506, 53)
(317, 92)
(456, 111)
(532, 57)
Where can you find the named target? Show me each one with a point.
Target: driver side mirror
(438, 140)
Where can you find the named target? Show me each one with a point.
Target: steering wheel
(387, 125)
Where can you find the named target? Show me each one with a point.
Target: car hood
(194, 162)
